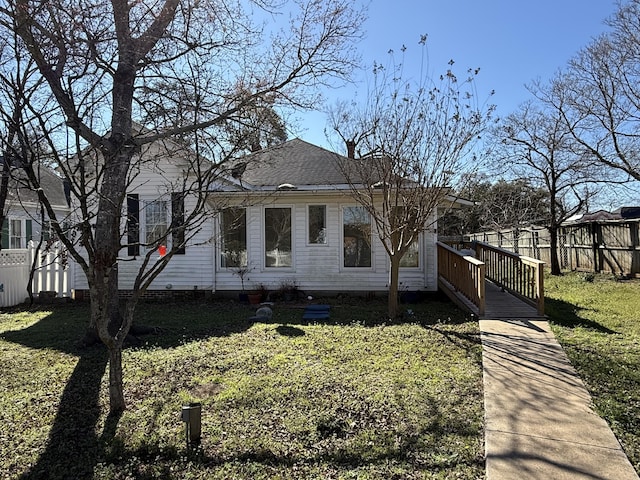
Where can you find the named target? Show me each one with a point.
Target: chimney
(351, 148)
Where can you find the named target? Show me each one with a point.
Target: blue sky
(512, 41)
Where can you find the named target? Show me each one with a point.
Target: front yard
(351, 397)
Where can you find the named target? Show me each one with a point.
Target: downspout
(214, 252)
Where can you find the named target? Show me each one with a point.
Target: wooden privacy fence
(611, 246)
(50, 275)
(520, 275)
(463, 274)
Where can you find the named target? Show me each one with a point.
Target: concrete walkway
(538, 416)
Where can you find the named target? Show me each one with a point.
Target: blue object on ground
(316, 307)
(315, 316)
(316, 312)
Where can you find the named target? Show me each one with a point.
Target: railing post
(481, 290)
(540, 288)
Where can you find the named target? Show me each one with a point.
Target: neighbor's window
(46, 232)
(318, 224)
(412, 257)
(356, 223)
(15, 234)
(156, 224)
(234, 237)
(277, 237)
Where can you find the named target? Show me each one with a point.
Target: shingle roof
(49, 181)
(295, 162)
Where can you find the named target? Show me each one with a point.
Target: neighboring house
(23, 215)
(281, 216)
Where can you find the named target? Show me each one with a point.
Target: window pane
(411, 258)
(357, 237)
(15, 235)
(277, 235)
(46, 233)
(155, 221)
(234, 237)
(317, 224)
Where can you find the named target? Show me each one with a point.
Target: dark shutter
(133, 224)
(5, 233)
(28, 233)
(177, 221)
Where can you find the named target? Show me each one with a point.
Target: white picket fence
(50, 274)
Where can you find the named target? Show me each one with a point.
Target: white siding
(192, 270)
(315, 267)
(319, 267)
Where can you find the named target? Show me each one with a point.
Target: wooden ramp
(502, 304)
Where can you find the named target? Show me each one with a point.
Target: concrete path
(538, 416)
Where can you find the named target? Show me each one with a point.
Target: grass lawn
(597, 321)
(348, 398)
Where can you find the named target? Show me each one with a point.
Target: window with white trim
(15, 234)
(317, 215)
(155, 221)
(411, 259)
(356, 227)
(233, 251)
(277, 237)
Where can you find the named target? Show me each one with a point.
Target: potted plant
(242, 272)
(289, 289)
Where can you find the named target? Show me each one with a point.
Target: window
(277, 237)
(403, 221)
(356, 223)
(15, 234)
(47, 233)
(412, 257)
(234, 238)
(155, 215)
(317, 224)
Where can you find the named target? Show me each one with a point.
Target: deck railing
(520, 275)
(463, 273)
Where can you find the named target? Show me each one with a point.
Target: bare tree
(497, 205)
(600, 94)
(537, 145)
(412, 143)
(176, 66)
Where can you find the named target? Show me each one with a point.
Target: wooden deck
(499, 303)
(492, 283)
(502, 304)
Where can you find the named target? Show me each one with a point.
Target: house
(280, 216)
(24, 220)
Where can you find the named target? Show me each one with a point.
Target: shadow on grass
(289, 331)
(73, 447)
(564, 314)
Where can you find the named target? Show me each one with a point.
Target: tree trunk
(555, 262)
(116, 385)
(393, 286)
